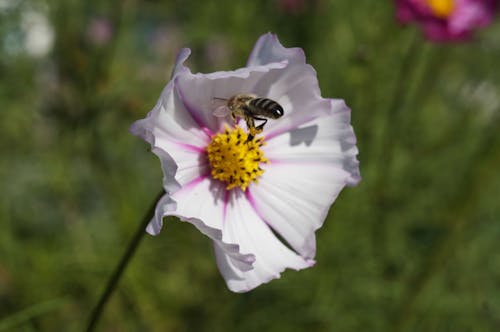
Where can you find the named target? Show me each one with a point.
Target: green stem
(120, 268)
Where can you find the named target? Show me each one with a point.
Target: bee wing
(221, 111)
(219, 107)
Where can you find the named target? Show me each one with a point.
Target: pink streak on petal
(251, 200)
(193, 112)
(190, 147)
(193, 183)
(275, 161)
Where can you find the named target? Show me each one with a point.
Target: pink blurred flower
(296, 7)
(292, 6)
(100, 31)
(211, 168)
(447, 20)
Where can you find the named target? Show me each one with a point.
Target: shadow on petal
(218, 190)
(304, 135)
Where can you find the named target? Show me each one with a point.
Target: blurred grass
(413, 248)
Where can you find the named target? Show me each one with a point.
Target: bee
(250, 107)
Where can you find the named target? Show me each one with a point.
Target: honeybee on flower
(241, 184)
(250, 108)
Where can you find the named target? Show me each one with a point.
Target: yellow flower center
(441, 8)
(235, 160)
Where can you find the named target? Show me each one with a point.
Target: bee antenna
(219, 98)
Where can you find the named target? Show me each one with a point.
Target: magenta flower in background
(447, 20)
(242, 192)
(291, 6)
(100, 31)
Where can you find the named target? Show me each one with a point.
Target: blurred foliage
(413, 248)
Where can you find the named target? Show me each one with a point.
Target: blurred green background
(414, 247)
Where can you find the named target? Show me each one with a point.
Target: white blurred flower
(483, 97)
(211, 170)
(6, 4)
(38, 33)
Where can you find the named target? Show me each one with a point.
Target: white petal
(169, 128)
(203, 203)
(243, 226)
(179, 62)
(324, 140)
(308, 169)
(175, 123)
(182, 164)
(164, 204)
(174, 135)
(268, 49)
(169, 168)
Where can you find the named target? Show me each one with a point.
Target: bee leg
(254, 131)
(260, 127)
(251, 128)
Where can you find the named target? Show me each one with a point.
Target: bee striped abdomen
(266, 107)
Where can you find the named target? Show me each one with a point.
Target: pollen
(234, 159)
(441, 8)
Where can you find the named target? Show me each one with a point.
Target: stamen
(441, 8)
(234, 159)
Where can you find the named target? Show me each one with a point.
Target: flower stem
(122, 265)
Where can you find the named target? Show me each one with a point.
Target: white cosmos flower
(301, 162)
